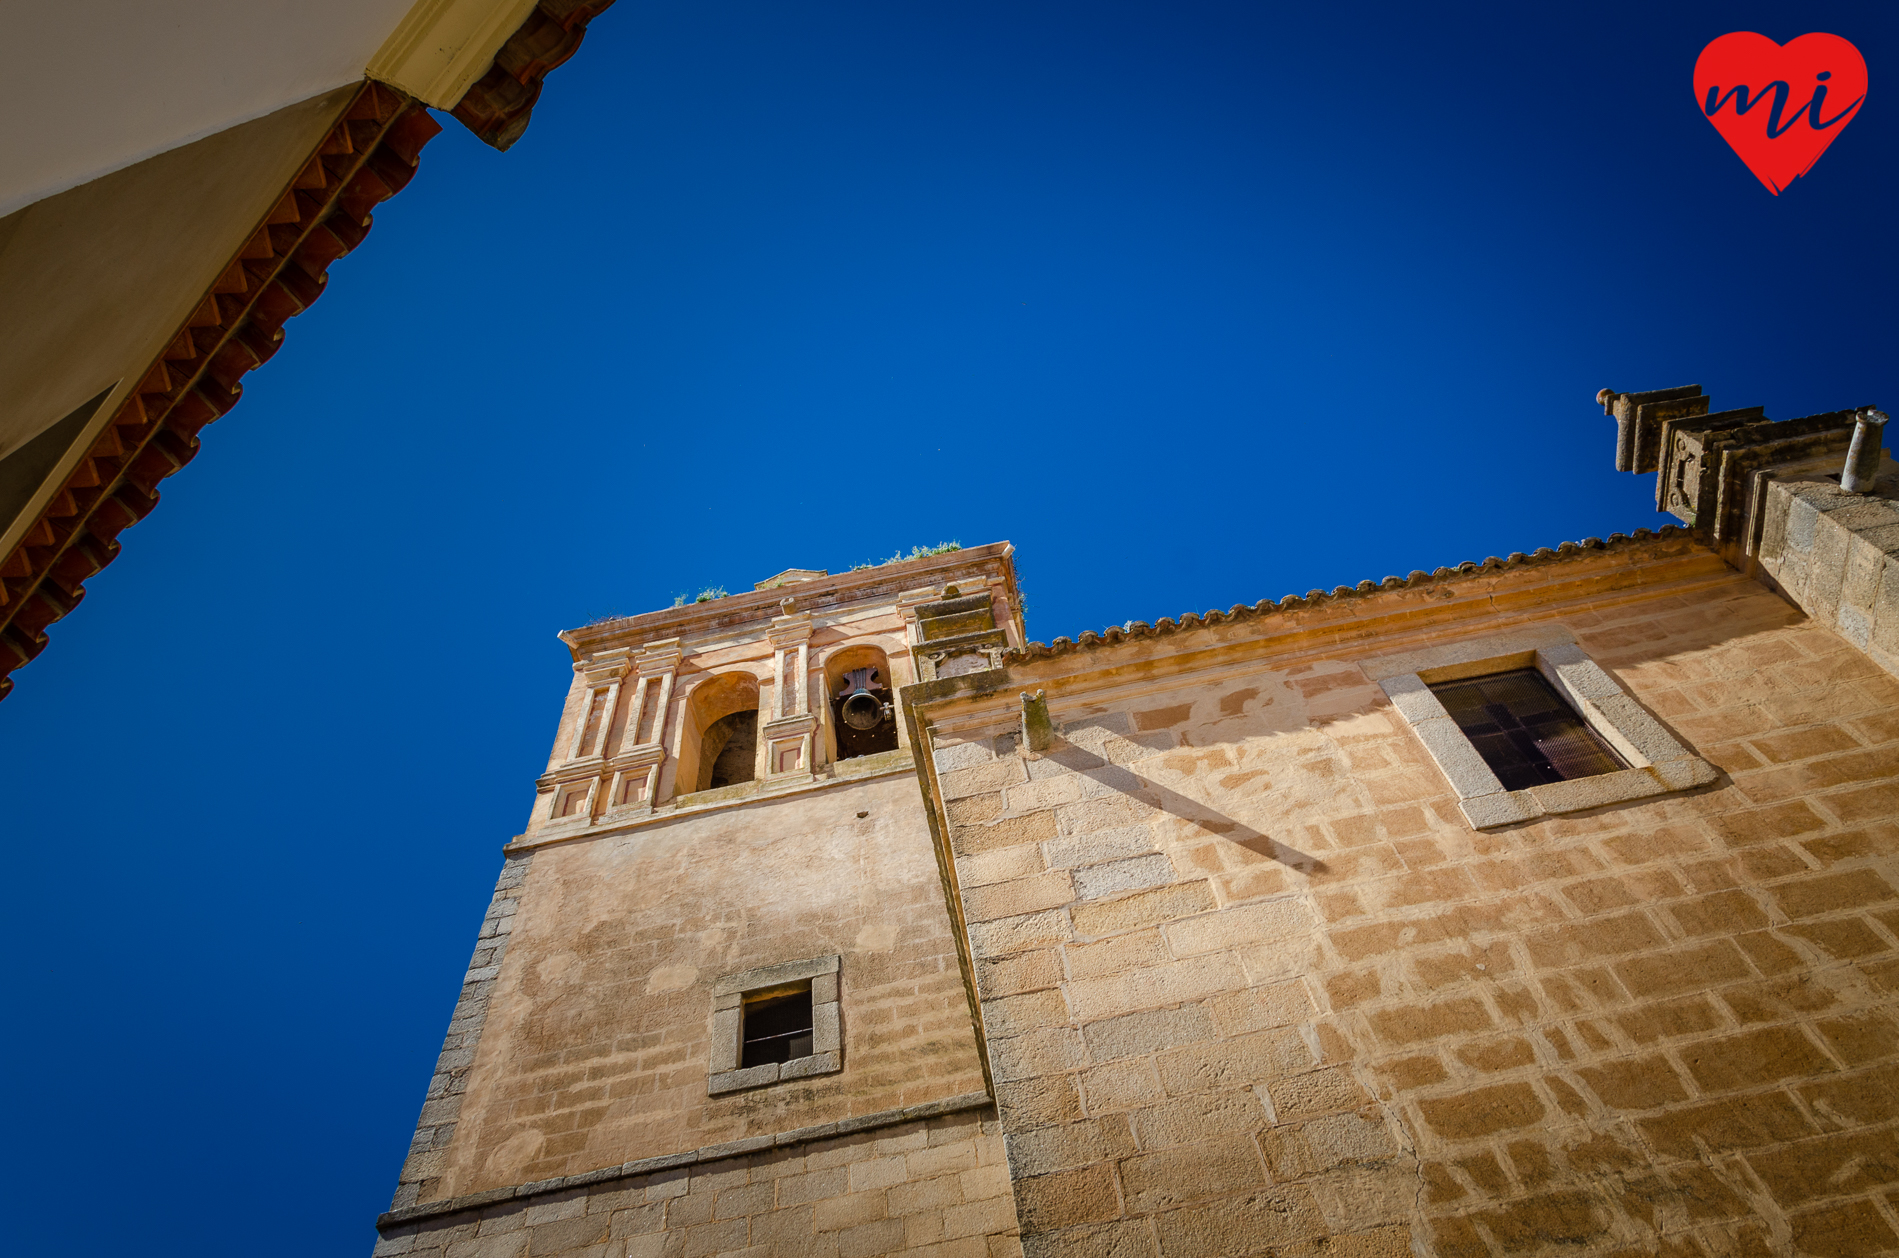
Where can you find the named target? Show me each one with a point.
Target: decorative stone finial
(1606, 399)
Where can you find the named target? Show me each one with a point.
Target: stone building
(1547, 904)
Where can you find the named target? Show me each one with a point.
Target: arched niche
(843, 667)
(721, 717)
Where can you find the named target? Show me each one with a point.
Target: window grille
(1523, 729)
(777, 1027)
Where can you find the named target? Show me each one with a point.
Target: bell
(860, 708)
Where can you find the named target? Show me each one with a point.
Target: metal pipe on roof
(1862, 458)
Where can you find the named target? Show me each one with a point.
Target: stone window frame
(728, 1025)
(1659, 764)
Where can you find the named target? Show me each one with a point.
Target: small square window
(1524, 731)
(775, 1024)
(1527, 725)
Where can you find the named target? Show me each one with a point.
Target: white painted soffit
(96, 85)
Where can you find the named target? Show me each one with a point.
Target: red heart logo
(1779, 106)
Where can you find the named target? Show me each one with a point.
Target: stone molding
(844, 772)
(692, 1157)
(1659, 764)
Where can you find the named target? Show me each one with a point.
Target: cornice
(823, 598)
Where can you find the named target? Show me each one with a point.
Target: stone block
(1196, 1118)
(1454, 755)
(814, 1185)
(1046, 1150)
(1128, 1238)
(1316, 1092)
(1634, 1083)
(1114, 955)
(1248, 1061)
(737, 1080)
(1107, 813)
(1043, 794)
(567, 1235)
(1017, 973)
(815, 1064)
(1818, 894)
(932, 1195)
(878, 1172)
(866, 1239)
(1018, 1015)
(1241, 926)
(962, 756)
(836, 1213)
(1598, 791)
(1018, 934)
(1246, 1223)
(941, 1159)
(1003, 832)
(1755, 1057)
(1143, 908)
(1048, 1052)
(1685, 773)
(979, 869)
(1049, 1202)
(982, 778)
(1098, 846)
(1479, 1112)
(707, 1239)
(1038, 1102)
(1142, 1033)
(1169, 1178)
(1097, 881)
(727, 1027)
(1018, 896)
(511, 1245)
(1846, 1227)
(1502, 808)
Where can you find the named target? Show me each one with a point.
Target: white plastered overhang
(442, 46)
(1658, 763)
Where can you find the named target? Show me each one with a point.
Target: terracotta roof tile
(1134, 629)
(497, 106)
(368, 156)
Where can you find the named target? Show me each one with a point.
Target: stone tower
(723, 939)
(1547, 904)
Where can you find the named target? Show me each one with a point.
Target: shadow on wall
(1185, 807)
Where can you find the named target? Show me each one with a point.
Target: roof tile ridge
(1088, 639)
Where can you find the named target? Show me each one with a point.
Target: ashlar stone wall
(1252, 985)
(935, 1189)
(596, 1044)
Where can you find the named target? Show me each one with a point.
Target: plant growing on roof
(916, 552)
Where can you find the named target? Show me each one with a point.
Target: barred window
(1523, 729)
(777, 1026)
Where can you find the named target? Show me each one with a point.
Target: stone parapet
(1836, 555)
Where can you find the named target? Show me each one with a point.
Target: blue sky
(1194, 303)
